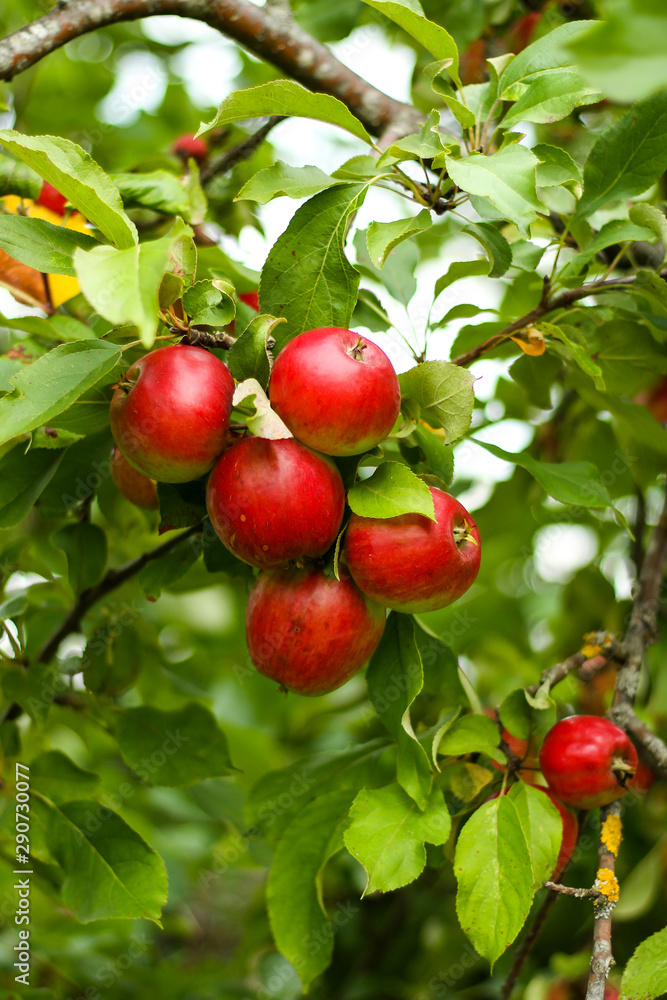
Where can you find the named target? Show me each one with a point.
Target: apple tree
(362, 394)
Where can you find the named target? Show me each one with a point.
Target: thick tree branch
(265, 31)
(547, 305)
(113, 578)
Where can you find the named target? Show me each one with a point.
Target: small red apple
(272, 501)
(49, 197)
(655, 399)
(309, 632)
(570, 829)
(188, 146)
(410, 563)
(135, 487)
(251, 299)
(587, 760)
(336, 391)
(170, 413)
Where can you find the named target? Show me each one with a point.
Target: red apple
(655, 399)
(336, 391)
(642, 779)
(410, 563)
(309, 632)
(587, 760)
(251, 299)
(272, 501)
(187, 146)
(49, 197)
(570, 830)
(170, 413)
(135, 487)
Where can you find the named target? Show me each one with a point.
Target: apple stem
(462, 534)
(622, 771)
(357, 352)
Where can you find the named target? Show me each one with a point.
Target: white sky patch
(559, 550)
(140, 85)
(208, 69)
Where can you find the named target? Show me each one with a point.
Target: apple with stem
(587, 761)
(272, 501)
(410, 563)
(336, 391)
(170, 412)
(135, 487)
(309, 632)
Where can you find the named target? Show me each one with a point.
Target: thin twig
(568, 890)
(602, 958)
(656, 749)
(113, 579)
(241, 151)
(547, 305)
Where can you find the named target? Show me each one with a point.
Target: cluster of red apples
(587, 762)
(280, 504)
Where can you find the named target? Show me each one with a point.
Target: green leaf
(48, 386)
(161, 573)
(506, 179)
(577, 483)
(579, 353)
(542, 827)
(624, 55)
(550, 97)
(33, 688)
(111, 661)
(283, 180)
(469, 734)
(548, 53)
(440, 668)
(395, 678)
(627, 158)
(122, 285)
(251, 401)
(299, 923)
(210, 303)
(16, 178)
(248, 357)
(615, 231)
(40, 244)
(431, 36)
(58, 327)
(645, 974)
(439, 456)
(651, 218)
(556, 167)
(157, 189)
(53, 774)
(181, 505)
(76, 175)
(495, 879)
(85, 546)
(443, 393)
(496, 247)
(284, 97)
(22, 479)
(387, 835)
(536, 377)
(391, 490)
(110, 871)
(176, 748)
(307, 277)
(278, 795)
(382, 237)
(464, 269)
(423, 145)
